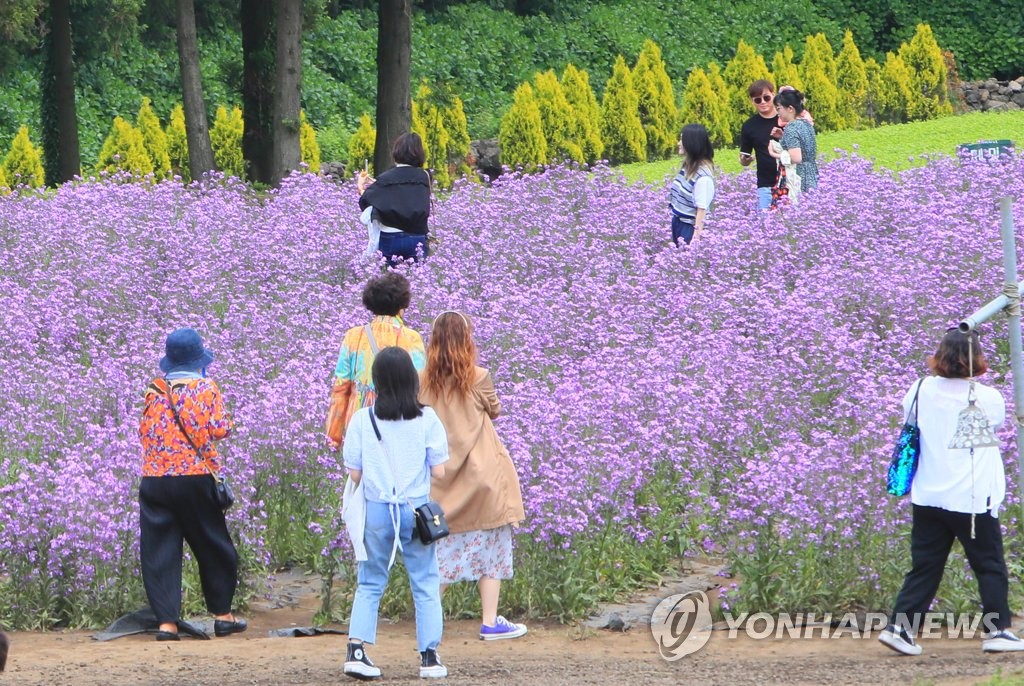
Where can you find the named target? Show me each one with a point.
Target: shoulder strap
(913, 404)
(373, 347)
(184, 431)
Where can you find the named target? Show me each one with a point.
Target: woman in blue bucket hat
(183, 415)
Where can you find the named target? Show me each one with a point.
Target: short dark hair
(760, 86)
(790, 98)
(953, 358)
(397, 384)
(387, 295)
(408, 149)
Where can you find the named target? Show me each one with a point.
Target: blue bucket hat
(185, 352)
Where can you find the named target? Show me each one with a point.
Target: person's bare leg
(490, 589)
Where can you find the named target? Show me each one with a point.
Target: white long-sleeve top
(943, 476)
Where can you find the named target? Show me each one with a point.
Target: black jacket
(401, 198)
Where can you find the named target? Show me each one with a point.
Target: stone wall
(993, 95)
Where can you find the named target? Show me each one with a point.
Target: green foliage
(874, 97)
(852, 82)
(361, 145)
(818, 72)
(743, 69)
(177, 143)
(702, 104)
(3, 179)
(923, 57)
(226, 140)
(23, 165)
(785, 70)
(521, 135)
(429, 124)
(454, 117)
(621, 128)
(124, 150)
(310, 149)
(584, 113)
(656, 102)
(333, 139)
(556, 118)
(154, 138)
(896, 96)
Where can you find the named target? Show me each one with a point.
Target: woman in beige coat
(480, 491)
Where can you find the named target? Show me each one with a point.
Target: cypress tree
(898, 97)
(928, 75)
(226, 141)
(621, 128)
(743, 69)
(585, 114)
(124, 150)
(361, 145)
(874, 98)
(429, 124)
(703, 105)
(852, 82)
(454, 116)
(556, 118)
(177, 143)
(521, 135)
(310, 149)
(23, 165)
(3, 180)
(818, 72)
(656, 102)
(154, 138)
(785, 70)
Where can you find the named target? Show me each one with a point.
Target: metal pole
(987, 311)
(1013, 324)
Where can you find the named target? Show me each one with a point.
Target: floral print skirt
(472, 554)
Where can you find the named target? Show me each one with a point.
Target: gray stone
(1018, 99)
(1015, 86)
(983, 94)
(995, 105)
(335, 170)
(487, 153)
(972, 97)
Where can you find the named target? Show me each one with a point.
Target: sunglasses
(762, 98)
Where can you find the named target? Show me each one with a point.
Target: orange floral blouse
(165, 451)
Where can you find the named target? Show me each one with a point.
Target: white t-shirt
(415, 446)
(944, 475)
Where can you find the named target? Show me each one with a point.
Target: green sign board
(983, 150)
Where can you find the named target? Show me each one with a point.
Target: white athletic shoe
(1003, 641)
(899, 640)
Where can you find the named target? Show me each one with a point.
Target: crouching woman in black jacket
(399, 202)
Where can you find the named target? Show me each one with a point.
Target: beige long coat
(480, 488)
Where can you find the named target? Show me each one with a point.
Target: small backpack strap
(373, 341)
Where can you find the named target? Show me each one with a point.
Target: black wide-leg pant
(173, 509)
(931, 538)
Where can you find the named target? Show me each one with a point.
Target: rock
(1015, 86)
(995, 105)
(1018, 99)
(616, 623)
(488, 156)
(335, 170)
(983, 94)
(972, 97)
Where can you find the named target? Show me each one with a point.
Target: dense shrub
(584, 113)
(621, 129)
(124, 150)
(897, 96)
(429, 124)
(23, 165)
(310, 149)
(556, 118)
(785, 71)
(656, 102)
(154, 139)
(361, 146)
(818, 73)
(177, 143)
(924, 59)
(852, 83)
(226, 140)
(521, 136)
(703, 105)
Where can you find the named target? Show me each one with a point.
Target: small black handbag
(431, 524)
(222, 492)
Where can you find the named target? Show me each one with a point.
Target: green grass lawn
(896, 147)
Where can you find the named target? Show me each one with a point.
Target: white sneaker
(1003, 641)
(900, 641)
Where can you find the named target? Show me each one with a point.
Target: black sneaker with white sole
(1002, 641)
(899, 640)
(359, 665)
(431, 666)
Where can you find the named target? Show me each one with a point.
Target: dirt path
(550, 654)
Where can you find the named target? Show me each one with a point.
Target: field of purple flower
(736, 398)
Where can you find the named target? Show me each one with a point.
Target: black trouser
(173, 509)
(931, 539)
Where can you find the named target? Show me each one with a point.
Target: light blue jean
(421, 564)
(764, 198)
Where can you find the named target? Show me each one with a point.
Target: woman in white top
(395, 470)
(956, 495)
(693, 189)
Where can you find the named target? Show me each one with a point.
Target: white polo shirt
(944, 475)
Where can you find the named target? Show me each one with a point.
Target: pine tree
(875, 97)
(743, 69)
(154, 138)
(124, 150)
(898, 97)
(785, 70)
(226, 140)
(556, 118)
(928, 75)
(454, 117)
(584, 112)
(429, 124)
(361, 144)
(177, 143)
(307, 144)
(703, 105)
(656, 102)
(521, 134)
(852, 82)
(621, 128)
(818, 72)
(23, 165)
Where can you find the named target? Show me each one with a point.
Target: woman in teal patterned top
(798, 138)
